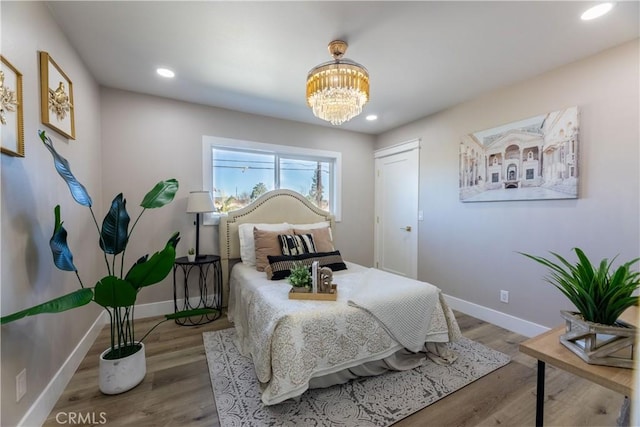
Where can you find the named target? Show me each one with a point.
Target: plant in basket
(601, 294)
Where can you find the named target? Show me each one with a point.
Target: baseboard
(495, 317)
(37, 414)
(156, 308)
(44, 404)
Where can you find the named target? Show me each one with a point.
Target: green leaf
(66, 302)
(114, 292)
(115, 227)
(599, 295)
(62, 256)
(174, 239)
(155, 269)
(162, 194)
(78, 192)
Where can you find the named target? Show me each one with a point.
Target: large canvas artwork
(531, 159)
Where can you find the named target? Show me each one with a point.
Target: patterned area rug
(372, 401)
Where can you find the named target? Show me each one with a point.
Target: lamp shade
(200, 201)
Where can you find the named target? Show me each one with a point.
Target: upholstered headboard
(274, 207)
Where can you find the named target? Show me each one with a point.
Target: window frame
(280, 151)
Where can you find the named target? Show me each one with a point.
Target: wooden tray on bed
(310, 296)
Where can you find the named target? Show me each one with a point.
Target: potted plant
(300, 278)
(601, 294)
(191, 254)
(116, 291)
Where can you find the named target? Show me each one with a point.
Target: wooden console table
(546, 348)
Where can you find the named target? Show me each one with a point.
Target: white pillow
(247, 244)
(321, 224)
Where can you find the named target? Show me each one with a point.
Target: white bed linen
(292, 341)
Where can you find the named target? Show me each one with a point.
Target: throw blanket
(404, 307)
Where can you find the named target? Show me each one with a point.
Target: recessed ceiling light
(371, 117)
(596, 11)
(165, 72)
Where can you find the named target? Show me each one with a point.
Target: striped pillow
(296, 244)
(279, 267)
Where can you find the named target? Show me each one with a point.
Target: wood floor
(177, 390)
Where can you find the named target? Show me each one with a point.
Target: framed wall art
(11, 111)
(56, 97)
(531, 159)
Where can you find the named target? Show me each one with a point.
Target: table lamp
(199, 202)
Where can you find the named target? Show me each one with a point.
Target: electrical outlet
(21, 385)
(504, 297)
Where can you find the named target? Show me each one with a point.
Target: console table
(547, 348)
(208, 276)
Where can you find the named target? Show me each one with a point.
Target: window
(238, 172)
(529, 173)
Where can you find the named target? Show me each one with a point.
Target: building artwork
(532, 159)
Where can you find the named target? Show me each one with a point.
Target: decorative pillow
(313, 226)
(280, 266)
(266, 243)
(296, 244)
(247, 245)
(321, 238)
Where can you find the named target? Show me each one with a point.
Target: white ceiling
(254, 57)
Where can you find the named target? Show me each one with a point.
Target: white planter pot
(120, 375)
(191, 258)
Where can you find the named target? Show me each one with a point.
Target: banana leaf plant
(116, 291)
(599, 292)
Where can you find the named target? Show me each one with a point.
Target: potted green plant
(600, 294)
(300, 278)
(116, 291)
(191, 255)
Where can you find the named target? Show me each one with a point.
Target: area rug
(372, 401)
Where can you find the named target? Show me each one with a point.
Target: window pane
(240, 177)
(308, 177)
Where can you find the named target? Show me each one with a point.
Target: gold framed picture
(56, 97)
(11, 119)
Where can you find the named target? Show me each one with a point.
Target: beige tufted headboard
(273, 207)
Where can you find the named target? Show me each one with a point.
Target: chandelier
(337, 90)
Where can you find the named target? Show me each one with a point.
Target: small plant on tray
(300, 277)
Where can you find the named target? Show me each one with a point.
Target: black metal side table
(209, 277)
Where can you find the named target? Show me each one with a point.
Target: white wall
(136, 141)
(147, 139)
(127, 142)
(470, 249)
(30, 188)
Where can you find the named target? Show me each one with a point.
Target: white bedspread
(404, 306)
(292, 341)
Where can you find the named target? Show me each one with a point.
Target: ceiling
(422, 56)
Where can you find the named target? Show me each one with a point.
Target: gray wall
(127, 142)
(469, 249)
(147, 138)
(30, 190)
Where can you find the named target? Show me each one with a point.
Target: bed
(379, 322)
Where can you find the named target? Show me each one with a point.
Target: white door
(396, 199)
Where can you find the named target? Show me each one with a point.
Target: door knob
(407, 228)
